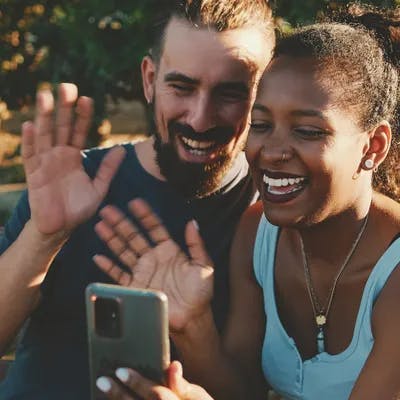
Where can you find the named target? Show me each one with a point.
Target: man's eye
(310, 133)
(260, 127)
(234, 95)
(181, 88)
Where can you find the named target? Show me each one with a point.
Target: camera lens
(107, 317)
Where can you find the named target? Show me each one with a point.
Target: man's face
(202, 92)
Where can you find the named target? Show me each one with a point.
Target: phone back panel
(141, 341)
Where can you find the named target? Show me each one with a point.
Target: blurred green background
(97, 44)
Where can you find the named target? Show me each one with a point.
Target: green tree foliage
(97, 44)
(297, 12)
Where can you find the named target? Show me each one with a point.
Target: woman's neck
(332, 239)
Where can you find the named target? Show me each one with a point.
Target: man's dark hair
(358, 49)
(219, 15)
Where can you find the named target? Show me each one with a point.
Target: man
(199, 81)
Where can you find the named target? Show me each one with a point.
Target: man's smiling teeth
(282, 182)
(194, 144)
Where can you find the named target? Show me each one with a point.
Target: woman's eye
(259, 127)
(310, 133)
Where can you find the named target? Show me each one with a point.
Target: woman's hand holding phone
(178, 387)
(161, 265)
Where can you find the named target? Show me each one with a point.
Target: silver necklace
(321, 312)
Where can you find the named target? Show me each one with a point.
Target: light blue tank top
(325, 376)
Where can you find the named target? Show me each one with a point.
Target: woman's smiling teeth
(283, 185)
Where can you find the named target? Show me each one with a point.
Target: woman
(314, 283)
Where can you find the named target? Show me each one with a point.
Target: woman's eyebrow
(308, 113)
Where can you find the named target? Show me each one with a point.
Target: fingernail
(122, 374)
(103, 384)
(96, 259)
(196, 225)
(26, 124)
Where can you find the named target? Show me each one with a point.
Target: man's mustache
(219, 134)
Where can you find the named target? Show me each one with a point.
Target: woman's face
(303, 148)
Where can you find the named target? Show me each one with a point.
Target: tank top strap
(264, 262)
(375, 283)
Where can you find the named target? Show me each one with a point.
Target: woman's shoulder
(250, 220)
(243, 243)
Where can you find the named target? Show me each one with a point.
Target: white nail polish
(103, 384)
(122, 374)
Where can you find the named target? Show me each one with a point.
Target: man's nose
(202, 114)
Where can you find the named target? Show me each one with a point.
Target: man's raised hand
(61, 194)
(161, 265)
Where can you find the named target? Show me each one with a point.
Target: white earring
(368, 163)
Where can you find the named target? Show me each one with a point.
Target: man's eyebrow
(229, 85)
(177, 76)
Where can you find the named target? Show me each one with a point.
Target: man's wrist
(51, 242)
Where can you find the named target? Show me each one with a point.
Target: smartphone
(126, 328)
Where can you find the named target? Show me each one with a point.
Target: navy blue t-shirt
(52, 357)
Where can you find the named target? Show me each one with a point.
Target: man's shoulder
(98, 153)
(92, 158)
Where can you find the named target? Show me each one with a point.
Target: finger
(175, 378)
(44, 121)
(182, 387)
(109, 236)
(114, 271)
(119, 247)
(142, 386)
(126, 231)
(107, 169)
(84, 112)
(28, 148)
(67, 95)
(196, 245)
(149, 220)
(112, 389)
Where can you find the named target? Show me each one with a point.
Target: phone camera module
(107, 317)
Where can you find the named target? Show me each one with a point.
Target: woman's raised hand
(61, 194)
(160, 265)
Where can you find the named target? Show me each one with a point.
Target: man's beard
(192, 180)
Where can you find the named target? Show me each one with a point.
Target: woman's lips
(282, 187)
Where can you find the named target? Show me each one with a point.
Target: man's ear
(148, 69)
(378, 146)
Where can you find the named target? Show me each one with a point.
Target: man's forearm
(205, 362)
(23, 267)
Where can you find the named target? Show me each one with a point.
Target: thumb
(195, 245)
(176, 382)
(179, 385)
(107, 169)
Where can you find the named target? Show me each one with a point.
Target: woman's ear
(148, 69)
(377, 146)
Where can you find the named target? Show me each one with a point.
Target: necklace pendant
(320, 320)
(320, 340)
